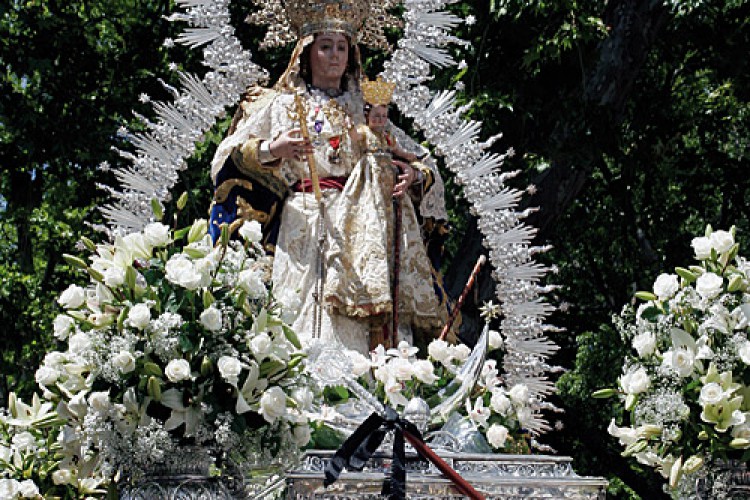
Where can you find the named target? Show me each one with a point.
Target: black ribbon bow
(364, 442)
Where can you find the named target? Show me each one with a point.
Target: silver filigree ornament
(161, 152)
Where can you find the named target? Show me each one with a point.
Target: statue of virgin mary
(297, 159)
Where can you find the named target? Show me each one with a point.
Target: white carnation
(701, 247)
(519, 394)
(645, 343)
(80, 342)
(666, 285)
(72, 298)
(635, 381)
(63, 325)
(46, 375)
(709, 285)
(424, 371)
(721, 241)
(24, 441)
(460, 352)
(250, 231)
(251, 281)
(439, 350)
(177, 370)
(497, 435)
(500, 403)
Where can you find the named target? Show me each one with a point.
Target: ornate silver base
(496, 476)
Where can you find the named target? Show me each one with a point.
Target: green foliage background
(633, 128)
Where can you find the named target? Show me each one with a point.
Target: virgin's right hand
(291, 145)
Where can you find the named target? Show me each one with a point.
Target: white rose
(701, 247)
(80, 342)
(303, 396)
(177, 370)
(137, 246)
(250, 231)
(156, 234)
(28, 489)
(460, 352)
(46, 375)
(63, 476)
(400, 368)
(497, 435)
(301, 435)
(711, 394)
(72, 298)
(8, 488)
(424, 371)
(495, 340)
(360, 363)
(439, 350)
(251, 281)
(519, 394)
(681, 361)
(139, 316)
(124, 362)
(273, 404)
(181, 271)
(721, 241)
(644, 343)
(666, 285)
(635, 381)
(230, 369)
(24, 441)
(744, 352)
(114, 276)
(63, 324)
(500, 403)
(211, 319)
(709, 285)
(99, 401)
(261, 345)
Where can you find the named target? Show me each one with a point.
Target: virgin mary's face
(329, 56)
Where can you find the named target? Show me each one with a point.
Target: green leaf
(648, 296)
(604, 393)
(291, 336)
(685, 274)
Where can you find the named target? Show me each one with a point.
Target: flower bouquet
(418, 388)
(32, 461)
(176, 342)
(685, 383)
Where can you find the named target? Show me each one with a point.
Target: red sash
(305, 185)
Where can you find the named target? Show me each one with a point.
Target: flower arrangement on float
(685, 386)
(398, 377)
(176, 342)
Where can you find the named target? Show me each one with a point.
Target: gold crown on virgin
(363, 21)
(377, 92)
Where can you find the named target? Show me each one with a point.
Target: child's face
(378, 117)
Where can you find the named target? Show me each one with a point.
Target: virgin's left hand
(405, 178)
